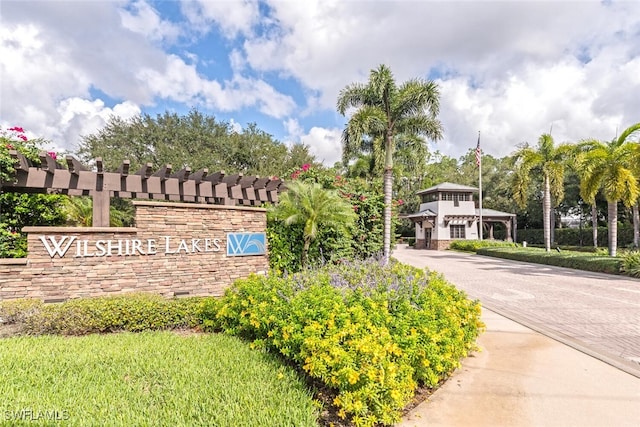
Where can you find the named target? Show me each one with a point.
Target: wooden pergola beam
(199, 187)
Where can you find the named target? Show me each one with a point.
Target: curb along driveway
(597, 314)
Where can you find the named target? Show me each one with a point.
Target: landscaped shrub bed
(133, 312)
(630, 264)
(474, 245)
(370, 332)
(577, 260)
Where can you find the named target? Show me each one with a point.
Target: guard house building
(448, 212)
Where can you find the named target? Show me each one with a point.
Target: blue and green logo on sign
(239, 244)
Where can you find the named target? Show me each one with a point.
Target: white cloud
(80, 117)
(49, 56)
(324, 144)
(509, 69)
(293, 128)
(233, 17)
(235, 126)
(144, 19)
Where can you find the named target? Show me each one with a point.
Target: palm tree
(636, 162)
(610, 167)
(79, 212)
(388, 116)
(549, 161)
(315, 208)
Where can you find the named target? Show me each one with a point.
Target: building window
(457, 231)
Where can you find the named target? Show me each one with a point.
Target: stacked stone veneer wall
(440, 245)
(195, 267)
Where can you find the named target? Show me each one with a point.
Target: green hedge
(368, 331)
(577, 260)
(474, 245)
(572, 236)
(132, 312)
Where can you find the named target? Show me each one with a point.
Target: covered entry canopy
(164, 184)
(426, 215)
(490, 217)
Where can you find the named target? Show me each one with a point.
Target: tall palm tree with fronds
(635, 134)
(549, 162)
(610, 167)
(314, 207)
(388, 116)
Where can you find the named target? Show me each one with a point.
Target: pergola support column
(101, 203)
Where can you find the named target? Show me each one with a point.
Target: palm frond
(629, 132)
(352, 96)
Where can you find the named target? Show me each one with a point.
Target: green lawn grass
(147, 379)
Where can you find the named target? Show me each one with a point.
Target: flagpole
(479, 163)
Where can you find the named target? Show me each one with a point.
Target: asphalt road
(598, 314)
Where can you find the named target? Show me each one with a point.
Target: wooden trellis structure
(164, 184)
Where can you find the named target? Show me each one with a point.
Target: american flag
(478, 152)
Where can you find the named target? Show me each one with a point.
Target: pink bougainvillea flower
(9, 147)
(53, 155)
(306, 167)
(17, 129)
(295, 175)
(22, 137)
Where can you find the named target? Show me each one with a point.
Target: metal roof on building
(448, 186)
(423, 214)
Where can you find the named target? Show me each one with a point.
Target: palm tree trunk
(636, 225)
(388, 188)
(305, 252)
(612, 212)
(388, 182)
(546, 213)
(594, 224)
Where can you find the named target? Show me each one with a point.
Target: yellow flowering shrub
(372, 333)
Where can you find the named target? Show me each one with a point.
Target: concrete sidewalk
(522, 378)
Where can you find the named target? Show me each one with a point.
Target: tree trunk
(636, 226)
(305, 252)
(546, 213)
(388, 189)
(594, 224)
(552, 221)
(612, 212)
(388, 182)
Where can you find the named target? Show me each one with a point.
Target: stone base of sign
(175, 249)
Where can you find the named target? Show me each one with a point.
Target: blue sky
(509, 69)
